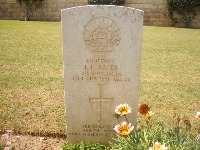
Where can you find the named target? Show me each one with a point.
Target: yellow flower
(144, 109)
(149, 114)
(124, 128)
(198, 115)
(123, 109)
(158, 146)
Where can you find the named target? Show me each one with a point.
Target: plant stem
(126, 118)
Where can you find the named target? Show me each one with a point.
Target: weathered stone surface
(101, 48)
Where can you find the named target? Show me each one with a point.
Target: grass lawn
(31, 75)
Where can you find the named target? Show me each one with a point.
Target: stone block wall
(9, 9)
(155, 11)
(48, 11)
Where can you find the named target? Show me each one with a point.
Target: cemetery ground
(31, 76)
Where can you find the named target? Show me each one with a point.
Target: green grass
(170, 76)
(31, 75)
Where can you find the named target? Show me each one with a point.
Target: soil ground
(28, 142)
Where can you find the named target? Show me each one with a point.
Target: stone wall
(48, 11)
(155, 11)
(9, 9)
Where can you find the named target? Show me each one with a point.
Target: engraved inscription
(94, 130)
(101, 71)
(101, 99)
(101, 34)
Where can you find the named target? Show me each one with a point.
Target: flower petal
(124, 128)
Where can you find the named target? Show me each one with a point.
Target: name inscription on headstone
(101, 70)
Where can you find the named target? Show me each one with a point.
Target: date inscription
(101, 71)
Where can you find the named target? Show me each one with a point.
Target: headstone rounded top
(100, 7)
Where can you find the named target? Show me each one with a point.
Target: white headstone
(102, 53)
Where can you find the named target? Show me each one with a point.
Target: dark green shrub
(106, 2)
(186, 8)
(28, 7)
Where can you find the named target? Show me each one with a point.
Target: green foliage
(106, 2)
(146, 136)
(83, 146)
(186, 8)
(28, 6)
(143, 138)
(2, 145)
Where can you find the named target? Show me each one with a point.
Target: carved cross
(101, 99)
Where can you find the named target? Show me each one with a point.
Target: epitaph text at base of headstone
(102, 53)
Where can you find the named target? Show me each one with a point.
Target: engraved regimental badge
(101, 34)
